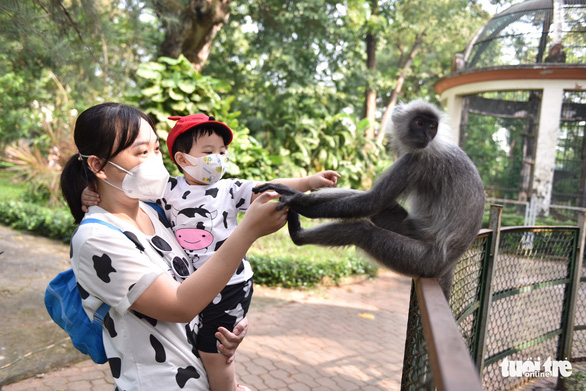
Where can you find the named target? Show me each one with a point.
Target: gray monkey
(432, 176)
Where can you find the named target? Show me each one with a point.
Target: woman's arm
(168, 300)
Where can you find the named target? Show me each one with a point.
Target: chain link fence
(517, 296)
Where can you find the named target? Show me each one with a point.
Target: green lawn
(9, 188)
(280, 245)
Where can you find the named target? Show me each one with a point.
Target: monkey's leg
(395, 218)
(400, 253)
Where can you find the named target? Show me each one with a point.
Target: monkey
(433, 177)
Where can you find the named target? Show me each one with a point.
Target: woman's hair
(103, 130)
(184, 142)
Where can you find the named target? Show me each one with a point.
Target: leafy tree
(171, 87)
(92, 48)
(272, 45)
(56, 60)
(190, 27)
(420, 43)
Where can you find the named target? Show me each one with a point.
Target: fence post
(486, 289)
(569, 315)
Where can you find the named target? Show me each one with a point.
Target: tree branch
(399, 85)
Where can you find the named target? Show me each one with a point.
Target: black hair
(103, 130)
(184, 142)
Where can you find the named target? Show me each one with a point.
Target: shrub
(52, 223)
(285, 271)
(290, 272)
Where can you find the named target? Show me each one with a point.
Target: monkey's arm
(342, 203)
(311, 204)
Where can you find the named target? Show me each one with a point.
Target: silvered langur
(420, 215)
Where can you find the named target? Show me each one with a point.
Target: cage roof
(531, 32)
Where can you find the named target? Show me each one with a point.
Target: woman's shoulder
(100, 228)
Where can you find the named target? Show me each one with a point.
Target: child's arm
(316, 181)
(89, 197)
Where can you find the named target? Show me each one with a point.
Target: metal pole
(486, 289)
(569, 315)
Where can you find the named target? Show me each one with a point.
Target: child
(203, 209)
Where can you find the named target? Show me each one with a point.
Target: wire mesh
(465, 295)
(416, 366)
(524, 34)
(579, 342)
(530, 279)
(529, 285)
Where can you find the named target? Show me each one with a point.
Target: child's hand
(323, 179)
(229, 341)
(89, 197)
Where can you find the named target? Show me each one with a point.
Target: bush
(290, 272)
(274, 270)
(49, 222)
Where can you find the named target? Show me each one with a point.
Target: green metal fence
(518, 294)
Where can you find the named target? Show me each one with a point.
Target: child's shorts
(226, 310)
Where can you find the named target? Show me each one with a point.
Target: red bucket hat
(190, 121)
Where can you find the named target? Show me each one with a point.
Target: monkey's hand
(289, 196)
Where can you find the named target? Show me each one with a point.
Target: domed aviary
(532, 32)
(516, 98)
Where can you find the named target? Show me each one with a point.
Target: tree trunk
(190, 29)
(399, 86)
(370, 94)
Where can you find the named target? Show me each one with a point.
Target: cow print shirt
(203, 216)
(143, 353)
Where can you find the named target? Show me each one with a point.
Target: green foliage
(294, 271)
(302, 137)
(91, 49)
(171, 87)
(50, 222)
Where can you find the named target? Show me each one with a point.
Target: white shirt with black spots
(143, 353)
(203, 217)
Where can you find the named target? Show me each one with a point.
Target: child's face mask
(206, 169)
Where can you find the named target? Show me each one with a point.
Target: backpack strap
(101, 313)
(158, 208)
(98, 221)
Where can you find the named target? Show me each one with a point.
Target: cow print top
(143, 353)
(203, 216)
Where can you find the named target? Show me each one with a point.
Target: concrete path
(335, 338)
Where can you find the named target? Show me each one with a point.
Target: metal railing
(518, 294)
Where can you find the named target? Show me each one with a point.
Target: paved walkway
(336, 338)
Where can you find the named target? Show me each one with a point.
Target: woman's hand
(89, 197)
(327, 178)
(262, 217)
(229, 341)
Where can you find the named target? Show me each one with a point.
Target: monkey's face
(422, 130)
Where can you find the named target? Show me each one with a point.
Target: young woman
(143, 273)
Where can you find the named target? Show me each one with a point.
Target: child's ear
(180, 159)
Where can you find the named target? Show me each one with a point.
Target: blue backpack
(63, 303)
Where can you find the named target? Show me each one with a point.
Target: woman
(154, 293)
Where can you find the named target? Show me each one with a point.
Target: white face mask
(207, 169)
(145, 181)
